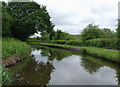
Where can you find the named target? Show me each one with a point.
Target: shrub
(103, 43)
(77, 43)
(6, 77)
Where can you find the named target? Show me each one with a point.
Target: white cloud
(73, 15)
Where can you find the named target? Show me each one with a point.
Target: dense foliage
(100, 42)
(6, 22)
(118, 29)
(92, 32)
(28, 18)
(6, 77)
(118, 33)
(103, 43)
(58, 35)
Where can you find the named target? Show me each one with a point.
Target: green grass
(98, 52)
(12, 46)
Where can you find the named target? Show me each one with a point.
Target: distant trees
(28, 18)
(118, 33)
(109, 33)
(45, 36)
(118, 29)
(60, 35)
(92, 32)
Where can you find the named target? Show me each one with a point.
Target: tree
(118, 33)
(60, 35)
(45, 35)
(118, 29)
(29, 18)
(6, 21)
(108, 33)
(92, 32)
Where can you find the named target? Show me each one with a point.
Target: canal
(54, 66)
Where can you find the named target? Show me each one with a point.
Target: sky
(72, 16)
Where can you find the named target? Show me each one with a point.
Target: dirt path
(112, 50)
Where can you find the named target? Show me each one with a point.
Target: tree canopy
(28, 18)
(92, 32)
(6, 21)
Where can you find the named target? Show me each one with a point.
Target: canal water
(53, 66)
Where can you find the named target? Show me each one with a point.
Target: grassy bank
(106, 43)
(12, 46)
(98, 52)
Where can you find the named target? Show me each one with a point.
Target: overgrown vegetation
(6, 77)
(12, 46)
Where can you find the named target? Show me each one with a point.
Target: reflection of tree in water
(52, 53)
(89, 65)
(57, 54)
(118, 76)
(92, 65)
(34, 73)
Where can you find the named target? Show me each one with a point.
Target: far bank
(94, 51)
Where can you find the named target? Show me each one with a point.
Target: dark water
(52, 66)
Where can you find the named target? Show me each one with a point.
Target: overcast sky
(73, 15)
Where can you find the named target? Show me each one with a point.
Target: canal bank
(13, 51)
(97, 52)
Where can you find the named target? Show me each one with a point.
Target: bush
(100, 42)
(77, 43)
(6, 78)
(103, 43)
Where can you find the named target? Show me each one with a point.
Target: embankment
(94, 51)
(13, 51)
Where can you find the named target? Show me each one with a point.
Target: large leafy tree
(92, 32)
(29, 18)
(6, 21)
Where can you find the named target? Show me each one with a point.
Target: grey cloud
(101, 10)
(75, 18)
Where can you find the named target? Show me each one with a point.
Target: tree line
(22, 19)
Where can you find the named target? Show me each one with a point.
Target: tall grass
(12, 46)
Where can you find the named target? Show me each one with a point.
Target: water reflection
(53, 54)
(34, 73)
(61, 67)
(89, 65)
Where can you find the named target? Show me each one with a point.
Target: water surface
(53, 66)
